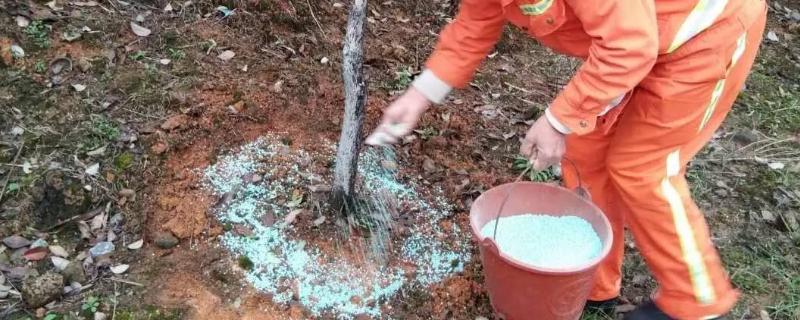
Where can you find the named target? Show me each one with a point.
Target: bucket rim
(490, 244)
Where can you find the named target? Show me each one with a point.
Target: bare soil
(185, 114)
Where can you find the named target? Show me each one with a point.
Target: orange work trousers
(634, 169)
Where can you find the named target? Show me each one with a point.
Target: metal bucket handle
(580, 190)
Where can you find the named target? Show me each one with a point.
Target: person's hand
(543, 145)
(399, 118)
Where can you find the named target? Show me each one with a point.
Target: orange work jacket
(619, 41)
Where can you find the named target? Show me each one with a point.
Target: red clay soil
(302, 102)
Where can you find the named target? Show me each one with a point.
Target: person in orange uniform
(658, 78)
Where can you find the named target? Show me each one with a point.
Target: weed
(90, 305)
(12, 187)
(522, 164)
(40, 66)
(176, 54)
(138, 55)
(245, 262)
(209, 44)
(38, 32)
(123, 161)
(427, 132)
(98, 132)
(402, 79)
(104, 128)
(52, 316)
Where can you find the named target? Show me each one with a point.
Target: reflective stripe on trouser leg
(703, 15)
(701, 281)
(717, 93)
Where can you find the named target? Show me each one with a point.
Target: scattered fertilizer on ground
(326, 282)
(546, 241)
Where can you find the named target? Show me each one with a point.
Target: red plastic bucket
(518, 291)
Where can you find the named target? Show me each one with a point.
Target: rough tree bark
(355, 92)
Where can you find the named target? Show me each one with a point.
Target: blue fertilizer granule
(326, 282)
(546, 241)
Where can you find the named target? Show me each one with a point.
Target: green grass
(176, 54)
(149, 313)
(769, 105)
(767, 269)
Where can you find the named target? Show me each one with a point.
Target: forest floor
(127, 121)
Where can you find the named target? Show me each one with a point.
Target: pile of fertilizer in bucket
(546, 241)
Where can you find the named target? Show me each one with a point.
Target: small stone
(745, 137)
(84, 64)
(174, 122)
(768, 216)
(278, 86)
(165, 240)
(74, 272)
(128, 193)
(18, 273)
(16, 242)
(772, 36)
(102, 248)
(237, 107)
(100, 316)
(37, 292)
(158, 148)
(389, 165)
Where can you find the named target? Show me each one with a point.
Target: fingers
(545, 158)
(380, 138)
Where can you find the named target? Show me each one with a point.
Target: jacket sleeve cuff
(560, 127)
(431, 86)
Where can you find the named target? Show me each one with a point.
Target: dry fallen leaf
(16, 242)
(59, 262)
(96, 152)
(59, 251)
(99, 221)
(139, 30)
(22, 21)
(118, 269)
(772, 36)
(85, 4)
(36, 254)
(292, 216)
(136, 245)
(226, 55)
(93, 169)
(168, 7)
(86, 232)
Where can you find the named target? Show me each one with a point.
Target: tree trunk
(355, 92)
